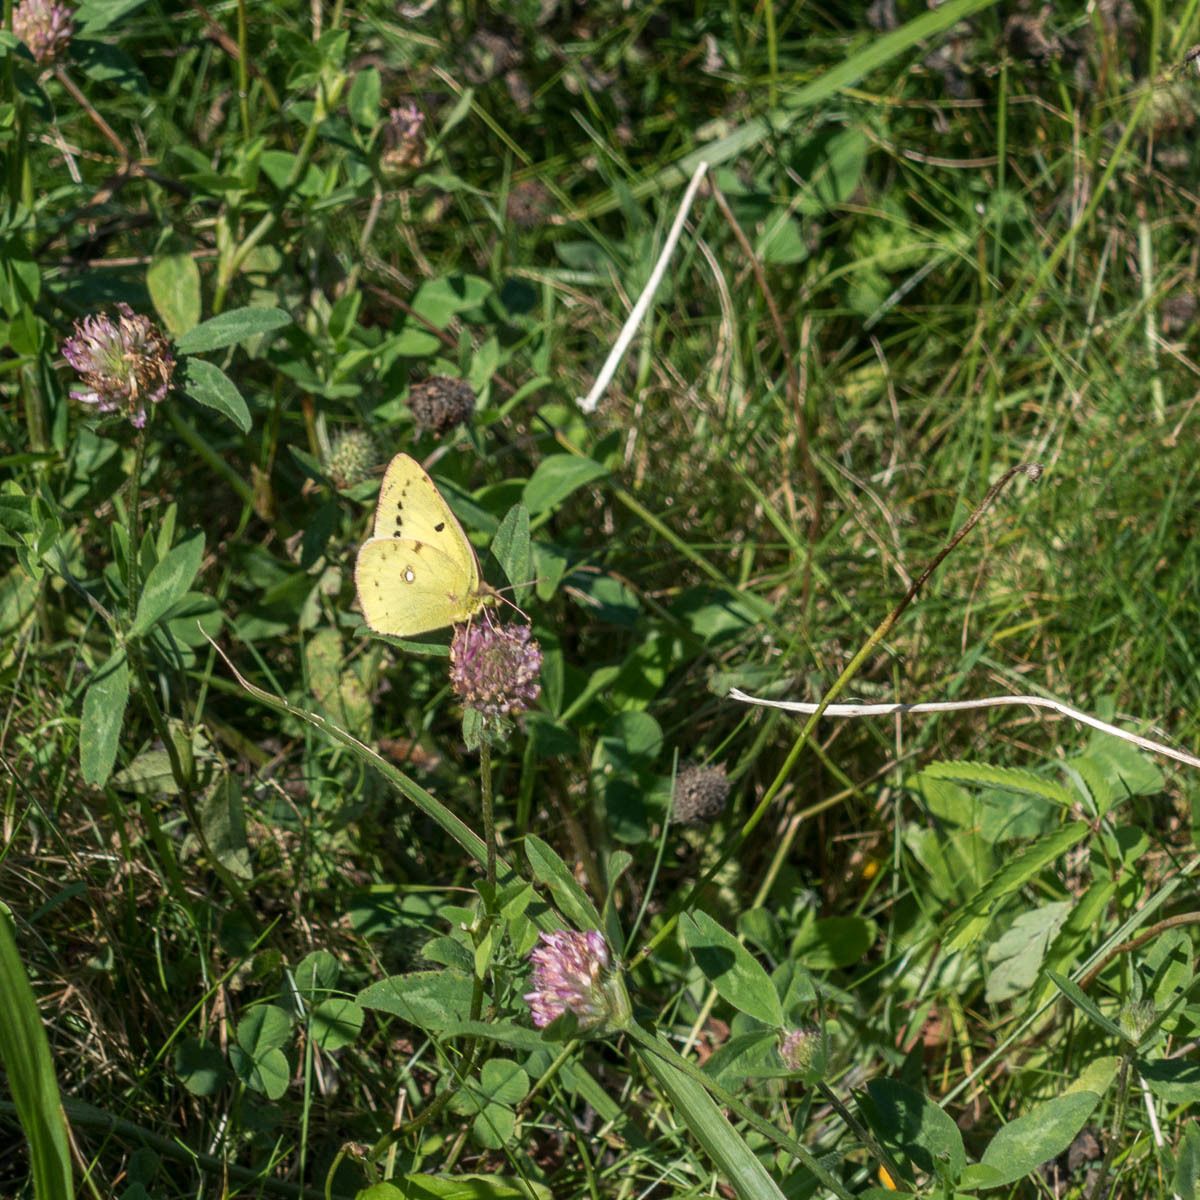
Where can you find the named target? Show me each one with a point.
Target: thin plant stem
(489, 816)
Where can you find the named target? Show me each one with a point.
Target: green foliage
(274, 892)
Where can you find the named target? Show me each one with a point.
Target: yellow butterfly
(417, 571)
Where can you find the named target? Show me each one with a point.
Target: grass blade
(25, 1053)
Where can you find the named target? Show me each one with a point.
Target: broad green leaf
(432, 1000)
(1187, 1162)
(149, 774)
(268, 1074)
(556, 478)
(207, 384)
(223, 819)
(29, 1070)
(265, 1027)
(1016, 956)
(103, 715)
(914, 1128)
(173, 281)
(550, 870)
(738, 976)
(1176, 1080)
(336, 1023)
(231, 327)
(441, 299)
(833, 942)
(168, 582)
(1021, 1146)
(510, 548)
(200, 1066)
(316, 975)
(362, 102)
(503, 1081)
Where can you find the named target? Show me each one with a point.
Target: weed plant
(292, 908)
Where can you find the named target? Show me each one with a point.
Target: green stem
(134, 565)
(489, 816)
(881, 631)
(243, 69)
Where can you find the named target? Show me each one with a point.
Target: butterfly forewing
(410, 506)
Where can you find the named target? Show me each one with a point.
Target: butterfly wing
(406, 587)
(411, 507)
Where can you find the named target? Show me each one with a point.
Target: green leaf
(237, 325)
(503, 1081)
(363, 99)
(336, 1023)
(966, 926)
(1085, 1004)
(200, 1066)
(431, 1000)
(173, 281)
(692, 1104)
(834, 942)
(1009, 779)
(265, 1027)
(316, 975)
(29, 1068)
(103, 714)
(223, 819)
(550, 870)
(1187, 1163)
(269, 1074)
(556, 478)
(207, 384)
(510, 548)
(737, 975)
(168, 582)
(440, 300)
(1176, 1080)
(1021, 1146)
(913, 1127)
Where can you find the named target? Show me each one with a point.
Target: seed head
(529, 204)
(700, 795)
(439, 403)
(123, 364)
(1136, 1018)
(403, 139)
(45, 26)
(351, 457)
(494, 668)
(571, 974)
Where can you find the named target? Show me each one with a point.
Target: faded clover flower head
(803, 1051)
(439, 403)
(124, 364)
(403, 139)
(494, 668)
(572, 974)
(700, 795)
(45, 26)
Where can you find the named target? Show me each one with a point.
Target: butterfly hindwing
(407, 587)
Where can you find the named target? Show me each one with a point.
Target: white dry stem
(588, 403)
(884, 710)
